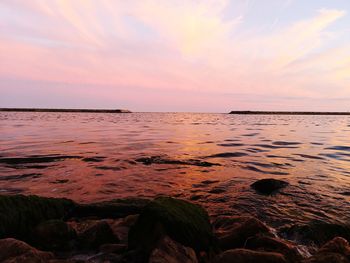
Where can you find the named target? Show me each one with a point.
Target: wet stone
(169, 251)
(234, 231)
(97, 234)
(12, 250)
(249, 256)
(54, 235)
(268, 186)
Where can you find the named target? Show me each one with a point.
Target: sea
(209, 159)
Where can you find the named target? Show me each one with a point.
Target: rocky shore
(291, 112)
(165, 229)
(65, 110)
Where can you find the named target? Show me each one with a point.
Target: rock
(327, 258)
(337, 245)
(166, 160)
(182, 221)
(233, 231)
(103, 258)
(96, 235)
(316, 232)
(337, 250)
(249, 256)
(271, 244)
(268, 186)
(54, 235)
(19, 214)
(169, 251)
(117, 208)
(113, 248)
(13, 250)
(121, 227)
(134, 256)
(129, 220)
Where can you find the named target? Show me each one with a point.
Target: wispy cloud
(176, 46)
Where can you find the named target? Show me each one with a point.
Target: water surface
(208, 158)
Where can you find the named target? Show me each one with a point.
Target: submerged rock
(13, 250)
(336, 251)
(182, 221)
(233, 231)
(169, 251)
(53, 235)
(249, 256)
(268, 186)
(162, 160)
(336, 245)
(19, 214)
(316, 232)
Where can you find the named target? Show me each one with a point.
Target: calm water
(93, 157)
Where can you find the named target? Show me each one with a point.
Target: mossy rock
(116, 208)
(182, 221)
(19, 214)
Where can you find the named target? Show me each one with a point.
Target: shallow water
(208, 158)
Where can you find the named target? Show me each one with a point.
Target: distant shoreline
(289, 113)
(65, 110)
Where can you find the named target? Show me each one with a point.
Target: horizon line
(237, 112)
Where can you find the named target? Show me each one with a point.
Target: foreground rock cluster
(38, 229)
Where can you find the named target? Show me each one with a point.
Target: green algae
(182, 221)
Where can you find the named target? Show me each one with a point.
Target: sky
(187, 56)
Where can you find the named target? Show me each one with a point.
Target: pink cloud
(187, 47)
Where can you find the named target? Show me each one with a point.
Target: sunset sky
(201, 56)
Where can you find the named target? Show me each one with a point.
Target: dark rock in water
(337, 251)
(195, 197)
(233, 232)
(182, 221)
(167, 250)
(272, 244)
(217, 190)
(161, 160)
(249, 256)
(36, 159)
(268, 186)
(227, 155)
(19, 214)
(117, 208)
(96, 235)
(54, 235)
(316, 232)
(95, 159)
(12, 251)
(207, 182)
